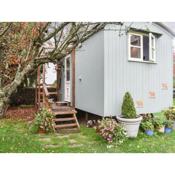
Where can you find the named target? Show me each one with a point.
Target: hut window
(142, 47)
(135, 46)
(145, 48)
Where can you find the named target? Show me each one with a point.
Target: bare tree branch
(5, 30)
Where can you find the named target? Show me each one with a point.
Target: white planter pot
(131, 125)
(174, 125)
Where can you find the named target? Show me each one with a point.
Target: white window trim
(152, 47)
(151, 60)
(130, 45)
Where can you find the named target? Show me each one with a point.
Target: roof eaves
(166, 28)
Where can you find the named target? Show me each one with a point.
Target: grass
(15, 137)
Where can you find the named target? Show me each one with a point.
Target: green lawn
(14, 137)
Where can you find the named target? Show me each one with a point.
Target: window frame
(130, 45)
(151, 46)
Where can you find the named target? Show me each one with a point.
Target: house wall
(174, 64)
(139, 79)
(89, 75)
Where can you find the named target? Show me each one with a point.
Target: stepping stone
(75, 145)
(72, 141)
(62, 136)
(51, 146)
(46, 139)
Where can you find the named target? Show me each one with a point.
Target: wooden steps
(52, 93)
(65, 126)
(65, 115)
(62, 103)
(63, 112)
(63, 119)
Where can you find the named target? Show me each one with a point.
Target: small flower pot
(41, 131)
(149, 132)
(161, 130)
(174, 125)
(168, 130)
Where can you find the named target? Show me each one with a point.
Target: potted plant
(170, 115)
(148, 127)
(42, 122)
(168, 126)
(129, 119)
(159, 124)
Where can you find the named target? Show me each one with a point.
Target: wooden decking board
(63, 119)
(52, 93)
(62, 108)
(62, 102)
(63, 112)
(65, 125)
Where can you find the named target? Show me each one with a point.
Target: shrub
(158, 122)
(147, 125)
(170, 113)
(128, 108)
(147, 117)
(111, 131)
(169, 123)
(42, 121)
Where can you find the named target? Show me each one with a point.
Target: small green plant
(42, 121)
(147, 117)
(147, 125)
(111, 131)
(170, 113)
(158, 122)
(168, 123)
(128, 108)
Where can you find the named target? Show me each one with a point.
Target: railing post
(39, 91)
(44, 72)
(73, 77)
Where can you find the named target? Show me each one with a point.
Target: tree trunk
(6, 92)
(3, 107)
(3, 104)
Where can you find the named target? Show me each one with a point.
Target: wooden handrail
(45, 96)
(45, 90)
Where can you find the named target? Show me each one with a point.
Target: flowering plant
(111, 131)
(42, 121)
(170, 113)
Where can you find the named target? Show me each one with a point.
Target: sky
(50, 73)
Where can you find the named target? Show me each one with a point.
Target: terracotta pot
(41, 131)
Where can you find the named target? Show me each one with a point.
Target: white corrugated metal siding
(89, 75)
(122, 75)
